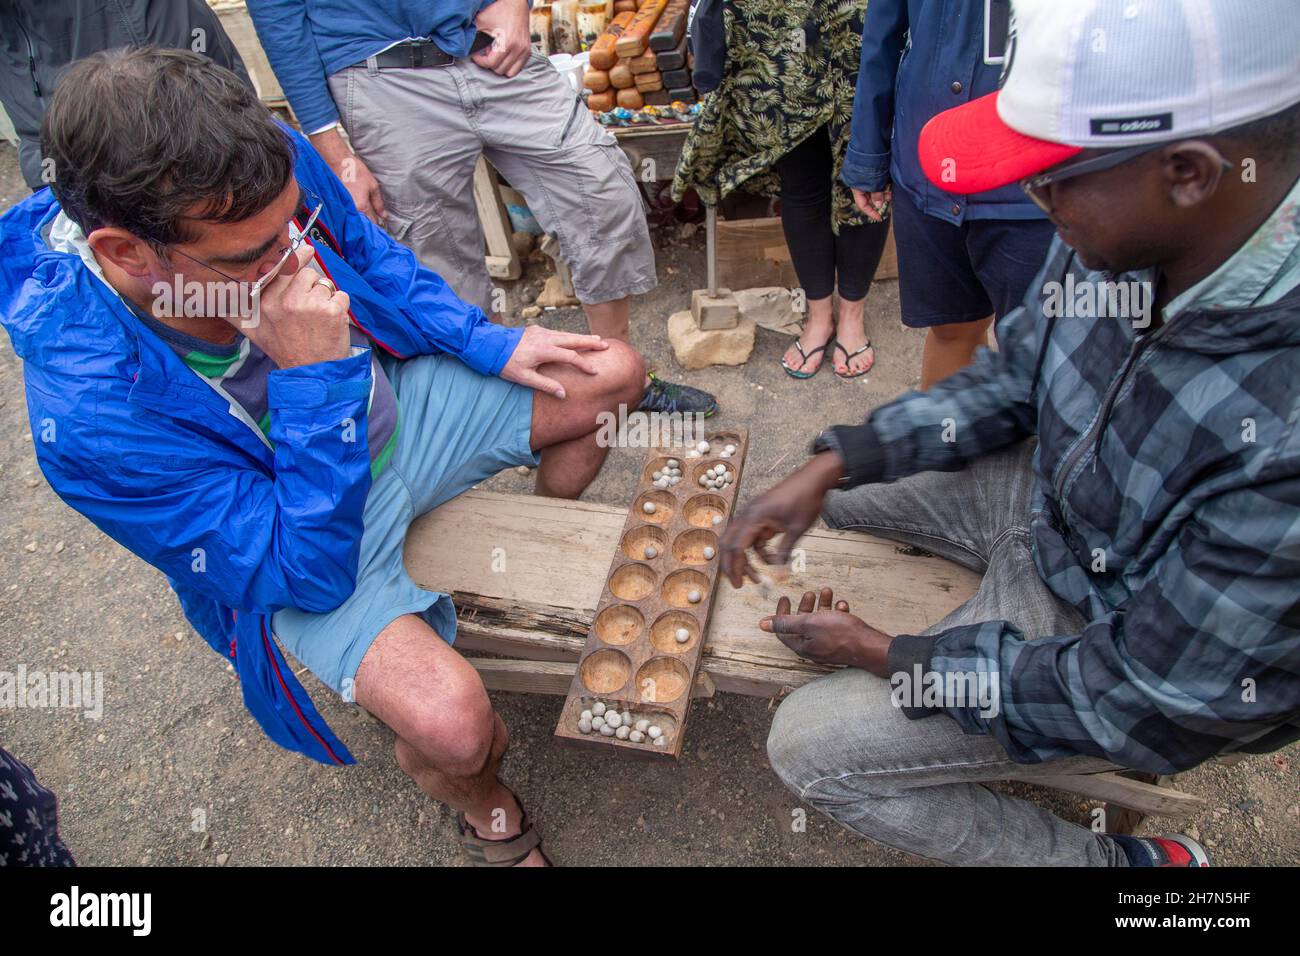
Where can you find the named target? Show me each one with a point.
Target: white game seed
(653, 732)
(648, 507)
(657, 475)
(607, 731)
(642, 725)
(613, 719)
(636, 736)
(598, 709)
(584, 725)
(586, 715)
(672, 462)
(717, 519)
(682, 635)
(730, 449)
(702, 447)
(661, 741)
(694, 597)
(622, 733)
(709, 553)
(650, 552)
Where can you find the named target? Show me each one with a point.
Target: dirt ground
(176, 772)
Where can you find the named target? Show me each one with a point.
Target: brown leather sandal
(511, 852)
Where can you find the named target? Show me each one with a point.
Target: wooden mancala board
(633, 660)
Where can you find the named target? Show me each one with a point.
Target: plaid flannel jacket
(1166, 509)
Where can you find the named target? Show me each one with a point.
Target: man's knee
(452, 733)
(828, 731)
(621, 371)
(803, 734)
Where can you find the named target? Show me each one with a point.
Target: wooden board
(502, 258)
(659, 586)
(752, 253)
(501, 573)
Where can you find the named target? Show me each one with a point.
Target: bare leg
(610, 320)
(950, 348)
(816, 330)
(564, 430)
(449, 739)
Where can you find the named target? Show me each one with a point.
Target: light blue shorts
(457, 428)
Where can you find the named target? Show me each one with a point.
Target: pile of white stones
(717, 477)
(606, 720)
(703, 448)
(669, 476)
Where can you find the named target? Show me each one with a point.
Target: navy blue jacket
(941, 45)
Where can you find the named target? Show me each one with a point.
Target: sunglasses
(1035, 187)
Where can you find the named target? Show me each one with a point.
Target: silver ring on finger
(328, 284)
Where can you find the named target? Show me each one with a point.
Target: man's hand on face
(540, 346)
(824, 631)
(507, 22)
(302, 320)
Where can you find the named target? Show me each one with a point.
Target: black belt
(417, 55)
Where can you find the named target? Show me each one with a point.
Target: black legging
(819, 256)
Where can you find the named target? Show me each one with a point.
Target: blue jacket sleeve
(442, 321)
(253, 542)
(286, 36)
(866, 162)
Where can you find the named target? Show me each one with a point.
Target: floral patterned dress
(791, 67)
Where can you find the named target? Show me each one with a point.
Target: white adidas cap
(1083, 74)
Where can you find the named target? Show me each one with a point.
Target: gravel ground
(176, 772)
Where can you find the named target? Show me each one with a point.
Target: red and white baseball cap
(1085, 74)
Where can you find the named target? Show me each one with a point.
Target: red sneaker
(1176, 850)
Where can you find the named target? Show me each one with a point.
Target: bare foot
(851, 335)
(817, 331)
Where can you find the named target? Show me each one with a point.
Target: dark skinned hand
(824, 631)
(788, 508)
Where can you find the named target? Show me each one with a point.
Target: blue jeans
(918, 785)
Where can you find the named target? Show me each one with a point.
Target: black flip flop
(848, 358)
(800, 373)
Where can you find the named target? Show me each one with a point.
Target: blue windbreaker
(133, 439)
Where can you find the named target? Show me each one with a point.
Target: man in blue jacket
(423, 89)
(241, 379)
(963, 259)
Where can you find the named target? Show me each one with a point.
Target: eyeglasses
(306, 198)
(1094, 164)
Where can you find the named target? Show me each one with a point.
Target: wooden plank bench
(526, 573)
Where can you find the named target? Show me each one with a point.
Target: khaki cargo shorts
(421, 132)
